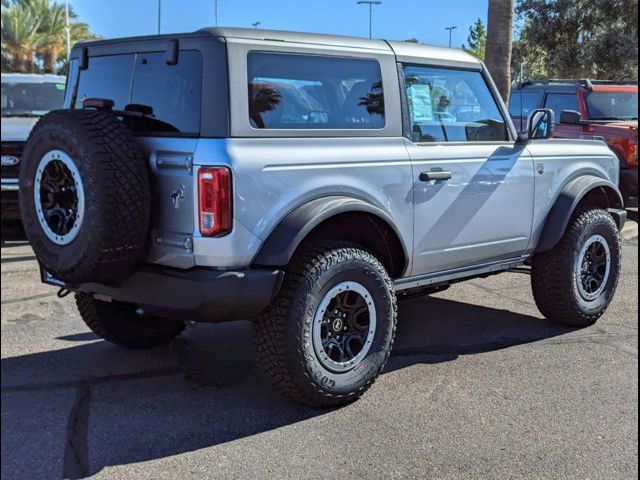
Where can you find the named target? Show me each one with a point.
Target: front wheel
(574, 283)
(330, 331)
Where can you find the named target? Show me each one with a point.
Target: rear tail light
(214, 201)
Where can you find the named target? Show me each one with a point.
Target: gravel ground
(479, 386)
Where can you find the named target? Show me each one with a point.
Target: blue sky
(394, 19)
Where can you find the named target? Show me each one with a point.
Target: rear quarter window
(290, 91)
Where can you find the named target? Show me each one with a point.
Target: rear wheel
(330, 331)
(574, 283)
(125, 324)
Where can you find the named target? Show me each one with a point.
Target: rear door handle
(435, 175)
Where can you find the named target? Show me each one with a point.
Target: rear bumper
(199, 294)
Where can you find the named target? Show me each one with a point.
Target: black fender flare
(566, 203)
(281, 244)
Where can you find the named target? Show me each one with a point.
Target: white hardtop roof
(405, 51)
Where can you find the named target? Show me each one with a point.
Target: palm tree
(19, 35)
(38, 27)
(51, 34)
(498, 48)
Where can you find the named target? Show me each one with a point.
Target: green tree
(499, 44)
(589, 38)
(477, 40)
(36, 29)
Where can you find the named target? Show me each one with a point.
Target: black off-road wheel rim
(593, 267)
(59, 197)
(344, 326)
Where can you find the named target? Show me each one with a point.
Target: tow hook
(63, 292)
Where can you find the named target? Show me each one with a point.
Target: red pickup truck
(589, 109)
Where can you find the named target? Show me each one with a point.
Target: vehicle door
(473, 184)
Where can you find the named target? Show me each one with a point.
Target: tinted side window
(522, 104)
(172, 92)
(107, 77)
(288, 91)
(452, 106)
(561, 101)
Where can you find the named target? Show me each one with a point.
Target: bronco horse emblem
(177, 196)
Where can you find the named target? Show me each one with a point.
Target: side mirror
(570, 117)
(540, 125)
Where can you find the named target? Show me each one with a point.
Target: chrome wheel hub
(344, 326)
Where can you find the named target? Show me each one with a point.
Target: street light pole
(215, 3)
(451, 29)
(67, 28)
(159, 13)
(371, 3)
(256, 24)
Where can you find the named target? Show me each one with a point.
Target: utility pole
(256, 24)
(159, 14)
(67, 28)
(371, 3)
(451, 29)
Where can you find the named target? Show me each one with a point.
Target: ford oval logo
(9, 160)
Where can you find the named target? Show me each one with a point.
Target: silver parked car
(307, 182)
(25, 98)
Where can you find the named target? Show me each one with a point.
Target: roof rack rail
(585, 82)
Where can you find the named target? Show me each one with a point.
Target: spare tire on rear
(85, 196)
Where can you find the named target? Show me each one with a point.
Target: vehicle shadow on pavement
(204, 388)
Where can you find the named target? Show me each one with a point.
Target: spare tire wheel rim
(344, 326)
(593, 267)
(59, 197)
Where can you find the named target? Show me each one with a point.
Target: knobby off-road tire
(287, 352)
(98, 160)
(123, 324)
(559, 276)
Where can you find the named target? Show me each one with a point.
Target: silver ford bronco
(305, 182)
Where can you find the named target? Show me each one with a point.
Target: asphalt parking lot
(479, 386)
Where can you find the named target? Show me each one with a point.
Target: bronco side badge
(177, 196)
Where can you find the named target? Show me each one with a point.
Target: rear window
(107, 77)
(289, 91)
(144, 82)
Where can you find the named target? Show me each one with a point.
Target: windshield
(31, 99)
(612, 105)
